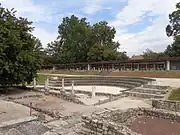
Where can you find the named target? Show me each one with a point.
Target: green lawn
(41, 79)
(175, 95)
(154, 74)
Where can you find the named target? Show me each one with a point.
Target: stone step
(143, 95)
(156, 87)
(104, 78)
(92, 81)
(150, 91)
(123, 85)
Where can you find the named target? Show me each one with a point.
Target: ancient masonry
(166, 104)
(116, 122)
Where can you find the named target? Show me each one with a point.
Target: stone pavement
(71, 126)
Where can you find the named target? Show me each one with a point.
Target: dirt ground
(155, 126)
(48, 103)
(61, 107)
(12, 111)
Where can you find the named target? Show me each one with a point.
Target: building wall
(175, 65)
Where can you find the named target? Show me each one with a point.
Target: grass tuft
(175, 95)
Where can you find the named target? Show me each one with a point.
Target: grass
(41, 79)
(175, 95)
(155, 74)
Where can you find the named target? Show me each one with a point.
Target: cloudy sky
(140, 24)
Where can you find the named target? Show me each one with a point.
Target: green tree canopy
(19, 50)
(73, 38)
(78, 41)
(173, 50)
(149, 54)
(173, 29)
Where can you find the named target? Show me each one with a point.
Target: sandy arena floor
(101, 89)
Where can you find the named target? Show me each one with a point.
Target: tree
(103, 47)
(149, 54)
(19, 49)
(73, 37)
(173, 29)
(173, 50)
(78, 41)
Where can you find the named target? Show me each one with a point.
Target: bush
(19, 54)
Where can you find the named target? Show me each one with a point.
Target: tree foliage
(173, 29)
(78, 41)
(149, 54)
(173, 50)
(19, 50)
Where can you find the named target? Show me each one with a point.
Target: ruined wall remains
(116, 122)
(167, 105)
(67, 96)
(102, 127)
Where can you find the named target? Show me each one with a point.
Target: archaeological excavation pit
(141, 121)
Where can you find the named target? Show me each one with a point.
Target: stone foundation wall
(110, 99)
(167, 105)
(103, 127)
(68, 97)
(115, 122)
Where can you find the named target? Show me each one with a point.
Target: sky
(140, 24)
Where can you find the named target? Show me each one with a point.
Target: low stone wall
(67, 96)
(103, 127)
(115, 122)
(167, 105)
(110, 99)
